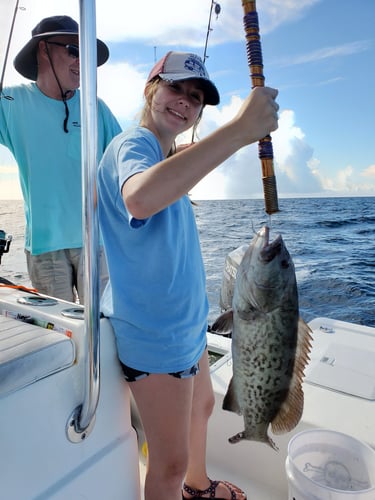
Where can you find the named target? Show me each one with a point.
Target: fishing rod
(255, 62)
(7, 51)
(209, 29)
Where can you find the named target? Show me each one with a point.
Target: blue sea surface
(331, 242)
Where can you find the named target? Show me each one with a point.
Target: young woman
(156, 299)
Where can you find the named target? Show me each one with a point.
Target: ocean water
(331, 241)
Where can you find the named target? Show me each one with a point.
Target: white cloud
(237, 177)
(170, 22)
(369, 171)
(326, 53)
(9, 185)
(241, 175)
(121, 87)
(212, 187)
(297, 170)
(293, 157)
(163, 22)
(345, 182)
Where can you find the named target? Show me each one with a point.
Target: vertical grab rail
(82, 419)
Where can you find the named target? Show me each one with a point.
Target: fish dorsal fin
(224, 323)
(290, 412)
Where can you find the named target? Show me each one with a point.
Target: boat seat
(29, 353)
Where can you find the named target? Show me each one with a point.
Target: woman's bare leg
(164, 403)
(203, 403)
(175, 415)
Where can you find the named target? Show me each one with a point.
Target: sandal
(211, 490)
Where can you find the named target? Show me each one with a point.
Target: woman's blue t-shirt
(156, 298)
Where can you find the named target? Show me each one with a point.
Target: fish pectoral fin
(290, 411)
(230, 401)
(224, 323)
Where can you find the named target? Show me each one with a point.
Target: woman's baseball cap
(175, 66)
(25, 61)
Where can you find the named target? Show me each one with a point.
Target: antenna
(209, 29)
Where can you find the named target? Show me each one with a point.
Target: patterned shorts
(131, 374)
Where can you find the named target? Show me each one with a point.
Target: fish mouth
(266, 235)
(270, 248)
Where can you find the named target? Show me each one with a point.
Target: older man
(40, 123)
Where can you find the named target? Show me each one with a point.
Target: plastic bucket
(328, 465)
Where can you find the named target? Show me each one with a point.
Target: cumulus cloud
(121, 85)
(167, 22)
(293, 158)
(298, 171)
(241, 175)
(369, 171)
(344, 181)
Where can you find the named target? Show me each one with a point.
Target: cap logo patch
(195, 65)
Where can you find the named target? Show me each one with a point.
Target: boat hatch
(342, 358)
(29, 353)
(219, 351)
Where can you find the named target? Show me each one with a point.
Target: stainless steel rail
(83, 417)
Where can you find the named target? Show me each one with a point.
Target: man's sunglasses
(73, 50)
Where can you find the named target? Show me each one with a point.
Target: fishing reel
(5, 240)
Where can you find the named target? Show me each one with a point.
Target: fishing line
(255, 62)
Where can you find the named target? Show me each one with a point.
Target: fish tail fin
(264, 438)
(230, 402)
(237, 438)
(290, 412)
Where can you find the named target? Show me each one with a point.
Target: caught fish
(270, 343)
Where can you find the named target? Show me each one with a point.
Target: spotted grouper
(270, 343)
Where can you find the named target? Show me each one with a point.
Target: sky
(319, 54)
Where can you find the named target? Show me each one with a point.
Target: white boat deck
(337, 403)
(40, 463)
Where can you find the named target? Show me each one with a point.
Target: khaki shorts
(60, 273)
